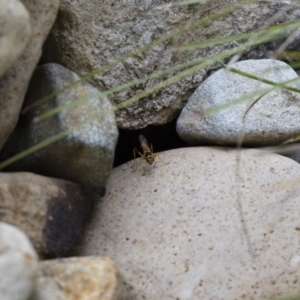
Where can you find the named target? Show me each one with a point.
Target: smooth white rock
(18, 264)
(176, 232)
(211, 116)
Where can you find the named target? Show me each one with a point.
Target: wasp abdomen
(142, 139)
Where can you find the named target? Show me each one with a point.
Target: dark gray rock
(85, 155)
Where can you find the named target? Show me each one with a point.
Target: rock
(85, 155)
(176, 232)
(80, 278)
(94, 38)
(18, 264)
(15, 32)
(14, 83)
(270, 121)
(51, 211)
(294, 155)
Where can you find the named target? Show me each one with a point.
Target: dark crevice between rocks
(162, 138)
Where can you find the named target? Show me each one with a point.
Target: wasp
(148, 155)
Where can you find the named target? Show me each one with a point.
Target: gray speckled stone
(87, 36)
(176, 233)
(272, 120)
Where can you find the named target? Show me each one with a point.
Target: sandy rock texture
(15, 32)
(217, 112)
(177, 233)
(18, 264)
(78, 278)
(87, 36)
(85, 154)
(14, 83)
(52, 212)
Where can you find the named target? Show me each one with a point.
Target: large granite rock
(90, 35)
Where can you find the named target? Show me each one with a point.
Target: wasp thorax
(150, 159)
(147, 151)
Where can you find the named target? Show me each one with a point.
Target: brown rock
(50, 211)
(78, 278)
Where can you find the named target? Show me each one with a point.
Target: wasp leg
(155, 154)
(135, 152)
(159, 157)
(135, 159)
(144, 170)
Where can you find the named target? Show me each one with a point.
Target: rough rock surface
(50, 211)
(18, 264)
(15, 32)
(15, 81)
(176, 232)
(85, 155)
(87, 36)
(215, 112)
(78, 278)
